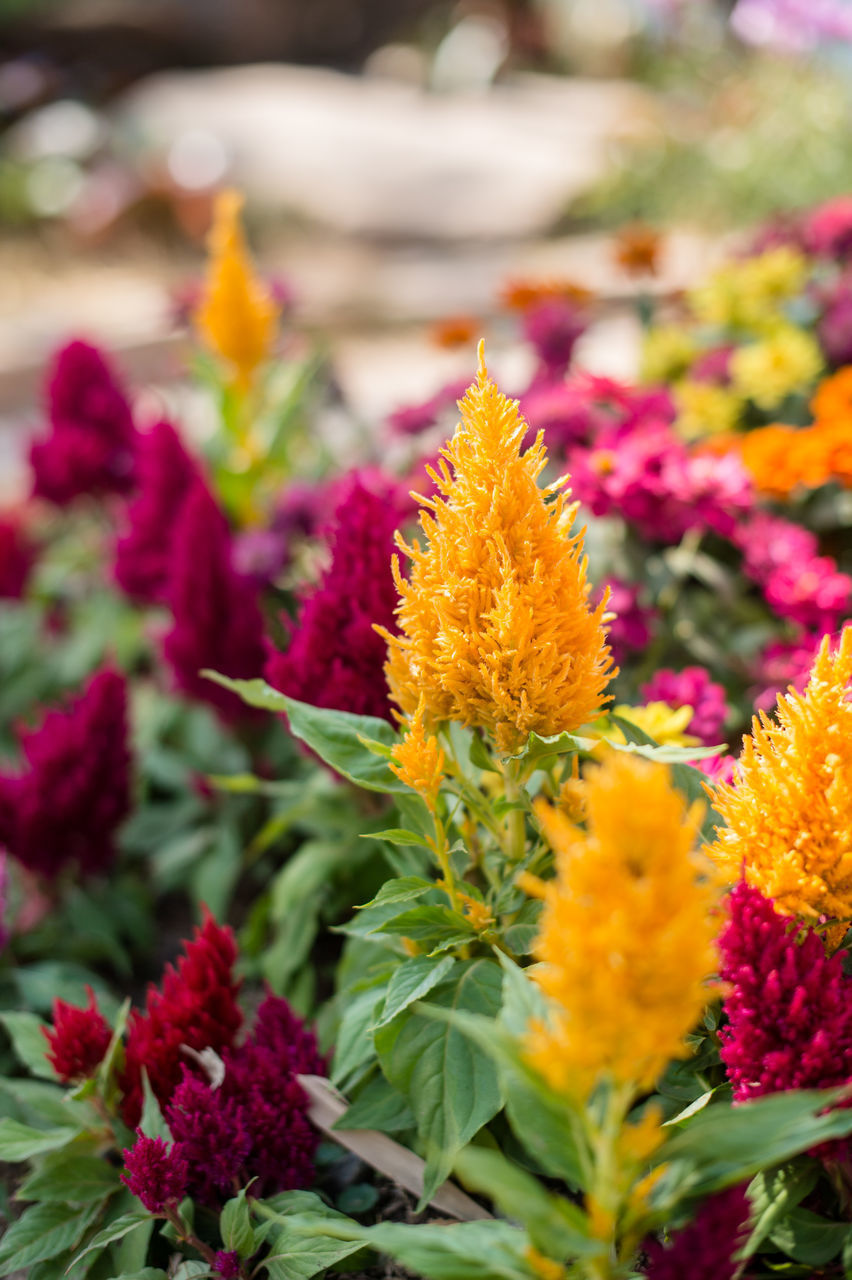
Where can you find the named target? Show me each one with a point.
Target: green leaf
(464, 1251)
(21, 1142)
(30, 1045)
(116, 1230)
(538, 749)
(451, 1086)
(152, 1124)
(147, 1273)
(354, 1044)
(806, 1237)
(557, 1227)
(303, 1257)
(44, 1231)
(336, 736)
(77, 1179)
(235, 1226)
(413, 979)
(47, 1101)
(402, 889)
(378, 1106)
(773, 1194)
(398, 835)
(725, 1144)
(433, 926)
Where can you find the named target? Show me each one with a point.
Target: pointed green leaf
(412, 980)
(22, 1142)
(44, 1231)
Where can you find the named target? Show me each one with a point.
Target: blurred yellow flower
(750, 294)
(788, 360)
(788, 812)
(705, 409)
(627, 937)
(665, 724)
(496, 627)
(236, 315)
(667, 353)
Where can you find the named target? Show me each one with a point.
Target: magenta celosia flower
(790, 1005)
(16, 558)
(165, 473)
(91, 444)
(691, 687)
(649, 478)
(335, 658)
(196, 1009)
(552, 328)
(707, 1248)
(633, 624)
(78, 1039)
(217, 619)
(154, 1172)
(227, 1264)
(73, 792)
(783, 560)
(212, 1134)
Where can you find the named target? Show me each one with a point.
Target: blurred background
(401, 159)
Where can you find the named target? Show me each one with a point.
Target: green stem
(515, 844)
(606, 1190)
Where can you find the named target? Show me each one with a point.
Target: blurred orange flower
(637, 249)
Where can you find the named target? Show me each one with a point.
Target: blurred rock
(373, 157)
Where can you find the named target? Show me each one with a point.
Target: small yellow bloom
(787, 361)
(667, 352)
(543, 1267)
(750, 294)
(705, 409)
(476, 912)
(236, 316)
(788, 812)
(418, 761)
(665, 724)
(496, 627)
(627, 938)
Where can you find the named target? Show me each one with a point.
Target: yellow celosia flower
(418, 760)
(789, 809)
(627, 939)
(767, 371)
(665, 724)
(496, 628)
(750, 294)
(704, 409)
(236, 316)
(667, 352)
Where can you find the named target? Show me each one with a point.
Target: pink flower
(227, 1264)
(694, 688)
(714, 365)
(335, 658)
(782, 559)
(717, 768)
(782, 664)
(16, 558)
(707, 1248)
(828, 227)
(411, 420)
(565, 413)
(552, 328)
(91, 444)
(217, 619)
(67, 803)
(155, 1172)
(633, 625)
(78, 1039)
(144, 552)
(790, 1005)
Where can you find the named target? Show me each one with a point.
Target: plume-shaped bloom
(91, 444)
(217, 619)
(496, 625)
(166, 474)
(67, 802)
(789, 1005)
(227, 1264)
(691, 687)
(708, 1248)
(418, 760)
(627, 938)
(237, 315)
(155, 1172)
(335, 657)
(195, 1009)
(211, 1132)
(16, 558)
(78, 1039)
(788, 813)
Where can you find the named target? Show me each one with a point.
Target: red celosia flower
(707, 1248)
(155, 1172)
(78, 1039)
(90, 448)
(67, 804)
(16, 559)
(217, 620)
(211, 1130)
(790, 1007)
(166, 473)
(196, 1009)
(335, 658)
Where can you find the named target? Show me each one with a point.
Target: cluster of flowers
(234, 1109)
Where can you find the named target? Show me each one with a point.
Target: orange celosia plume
(496, 627)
